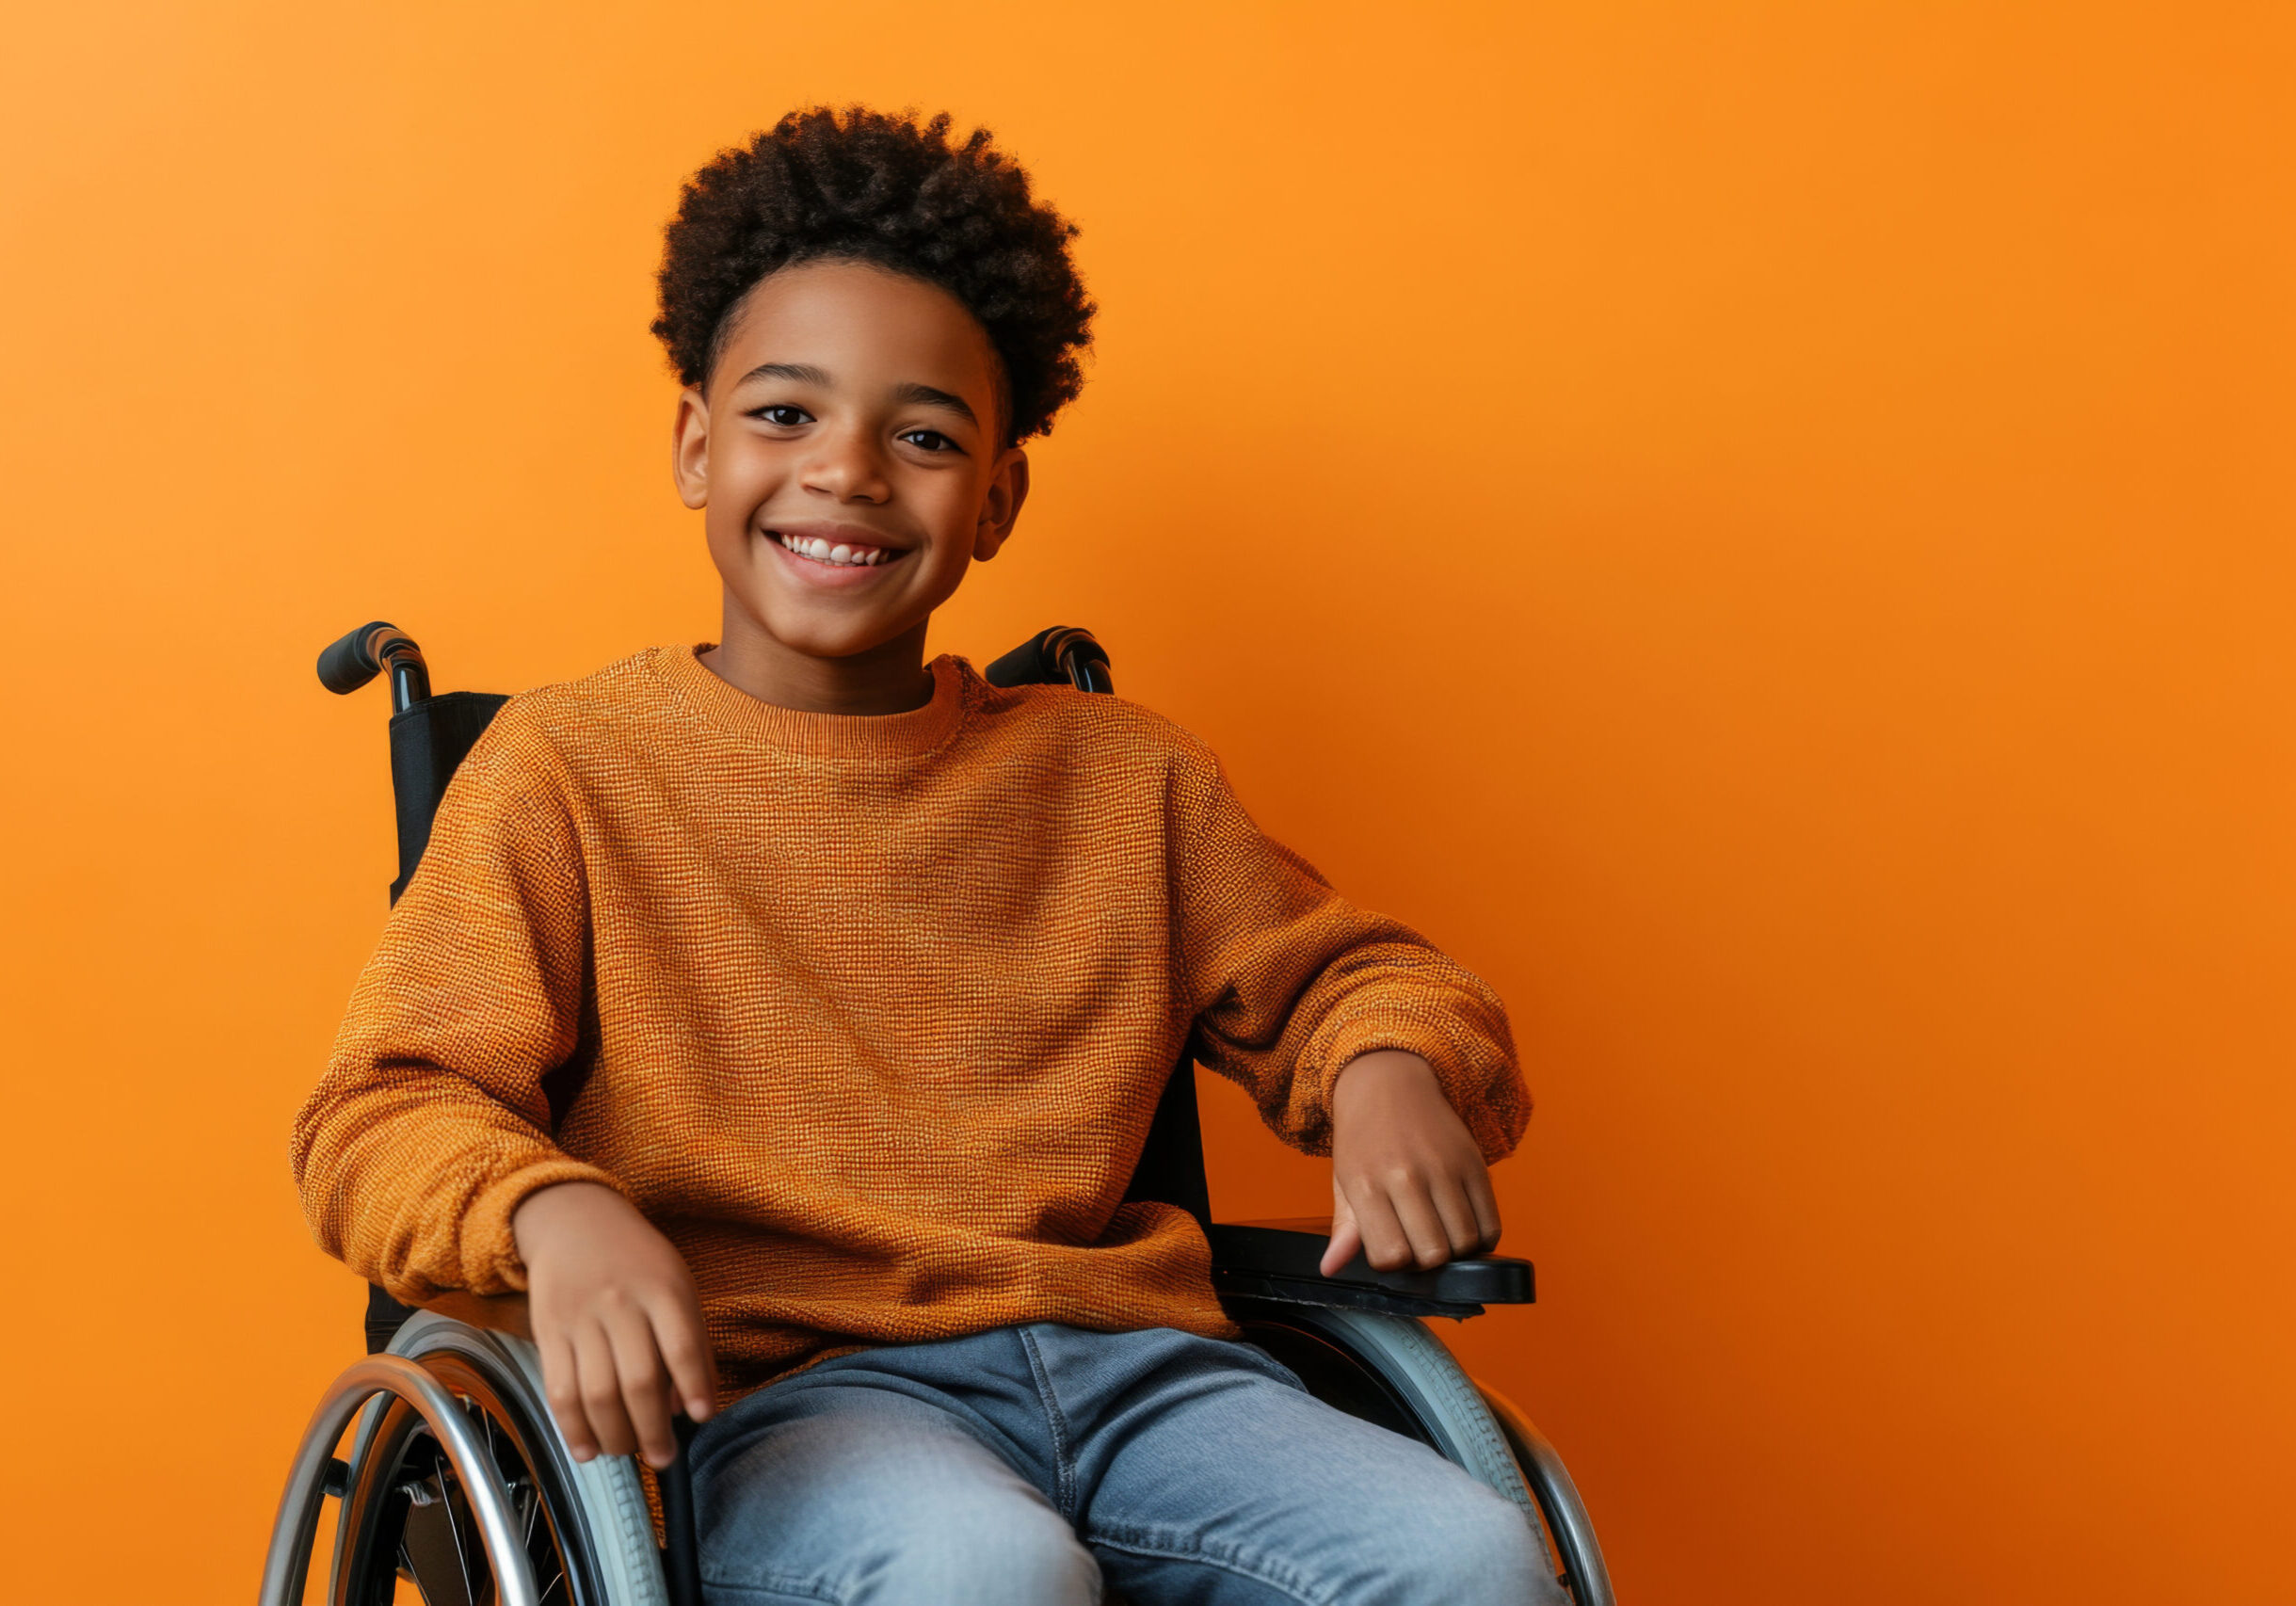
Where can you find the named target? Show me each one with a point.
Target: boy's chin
(824, 634)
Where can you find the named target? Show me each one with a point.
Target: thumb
(1346, 1240)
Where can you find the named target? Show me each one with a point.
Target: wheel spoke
(432, 1549)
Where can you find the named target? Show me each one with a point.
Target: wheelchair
(457, 1489)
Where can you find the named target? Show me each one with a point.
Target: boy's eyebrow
(925, 396)
(798, 373)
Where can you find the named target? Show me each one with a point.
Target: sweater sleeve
(1288, 981)
(431, 1124)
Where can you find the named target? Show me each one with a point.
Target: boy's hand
(617, 1321)
(1408, 1186)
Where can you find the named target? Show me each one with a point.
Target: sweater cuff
(490, 1251)
(1480, 1088)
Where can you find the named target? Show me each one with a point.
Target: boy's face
(848, 456)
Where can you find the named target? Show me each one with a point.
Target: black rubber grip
(348, 664)
(1063, 655)
(1026, 665)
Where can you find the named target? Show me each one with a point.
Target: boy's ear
(1007, 489)
(689, 448)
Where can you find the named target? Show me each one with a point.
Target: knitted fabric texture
(868, 1016)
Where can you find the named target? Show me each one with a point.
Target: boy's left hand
(1408, 1186)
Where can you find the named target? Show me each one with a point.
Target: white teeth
(843, 556)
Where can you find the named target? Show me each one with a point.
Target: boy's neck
(887, 679)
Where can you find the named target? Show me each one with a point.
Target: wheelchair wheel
(407, 1517)
(406, 1531)
(1393, 1372)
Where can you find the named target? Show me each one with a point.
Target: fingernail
(582, 1452)
(697, 1409)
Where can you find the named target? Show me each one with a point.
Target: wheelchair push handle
(1065, 653)
(367, 652)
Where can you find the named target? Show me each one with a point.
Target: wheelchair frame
(458, 1478)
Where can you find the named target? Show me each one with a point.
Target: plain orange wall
(1764, 527)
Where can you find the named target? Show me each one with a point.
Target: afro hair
(861, 185)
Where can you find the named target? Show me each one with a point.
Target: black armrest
(1278, 1260)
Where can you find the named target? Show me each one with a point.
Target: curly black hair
(864, 185)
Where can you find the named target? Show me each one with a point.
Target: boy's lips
(834, 553)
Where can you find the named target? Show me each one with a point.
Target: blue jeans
(1023, 1465)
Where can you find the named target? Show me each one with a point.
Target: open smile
(838, 554)
(833, 554)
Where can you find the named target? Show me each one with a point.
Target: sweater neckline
(817, 735)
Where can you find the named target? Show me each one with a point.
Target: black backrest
(429, 742)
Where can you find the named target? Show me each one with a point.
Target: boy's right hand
(617, 1319)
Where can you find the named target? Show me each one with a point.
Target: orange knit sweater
(868, 1014)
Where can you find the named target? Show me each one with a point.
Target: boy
(795, 1007)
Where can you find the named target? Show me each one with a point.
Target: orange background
(1763, 527)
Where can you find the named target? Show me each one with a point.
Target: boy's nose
(846, 467)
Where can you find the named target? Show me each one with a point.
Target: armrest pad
(1278, 1259)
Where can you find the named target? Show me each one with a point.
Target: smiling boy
(785, 1016)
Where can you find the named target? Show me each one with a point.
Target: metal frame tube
(1558, 1502)
(289, 1560)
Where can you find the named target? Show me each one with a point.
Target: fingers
(1423, 1223)
(1386, 1244)
(1469, 1211)
(1462, 1232)
(598, 1383)
(678, 1332)
(644, 1387)
(1486, 1206)
(1346, 1238)
(562, 1386)
(610, 1383)
(1410, 1220)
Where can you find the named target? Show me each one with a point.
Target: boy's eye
(930, 439)
(787, 417)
